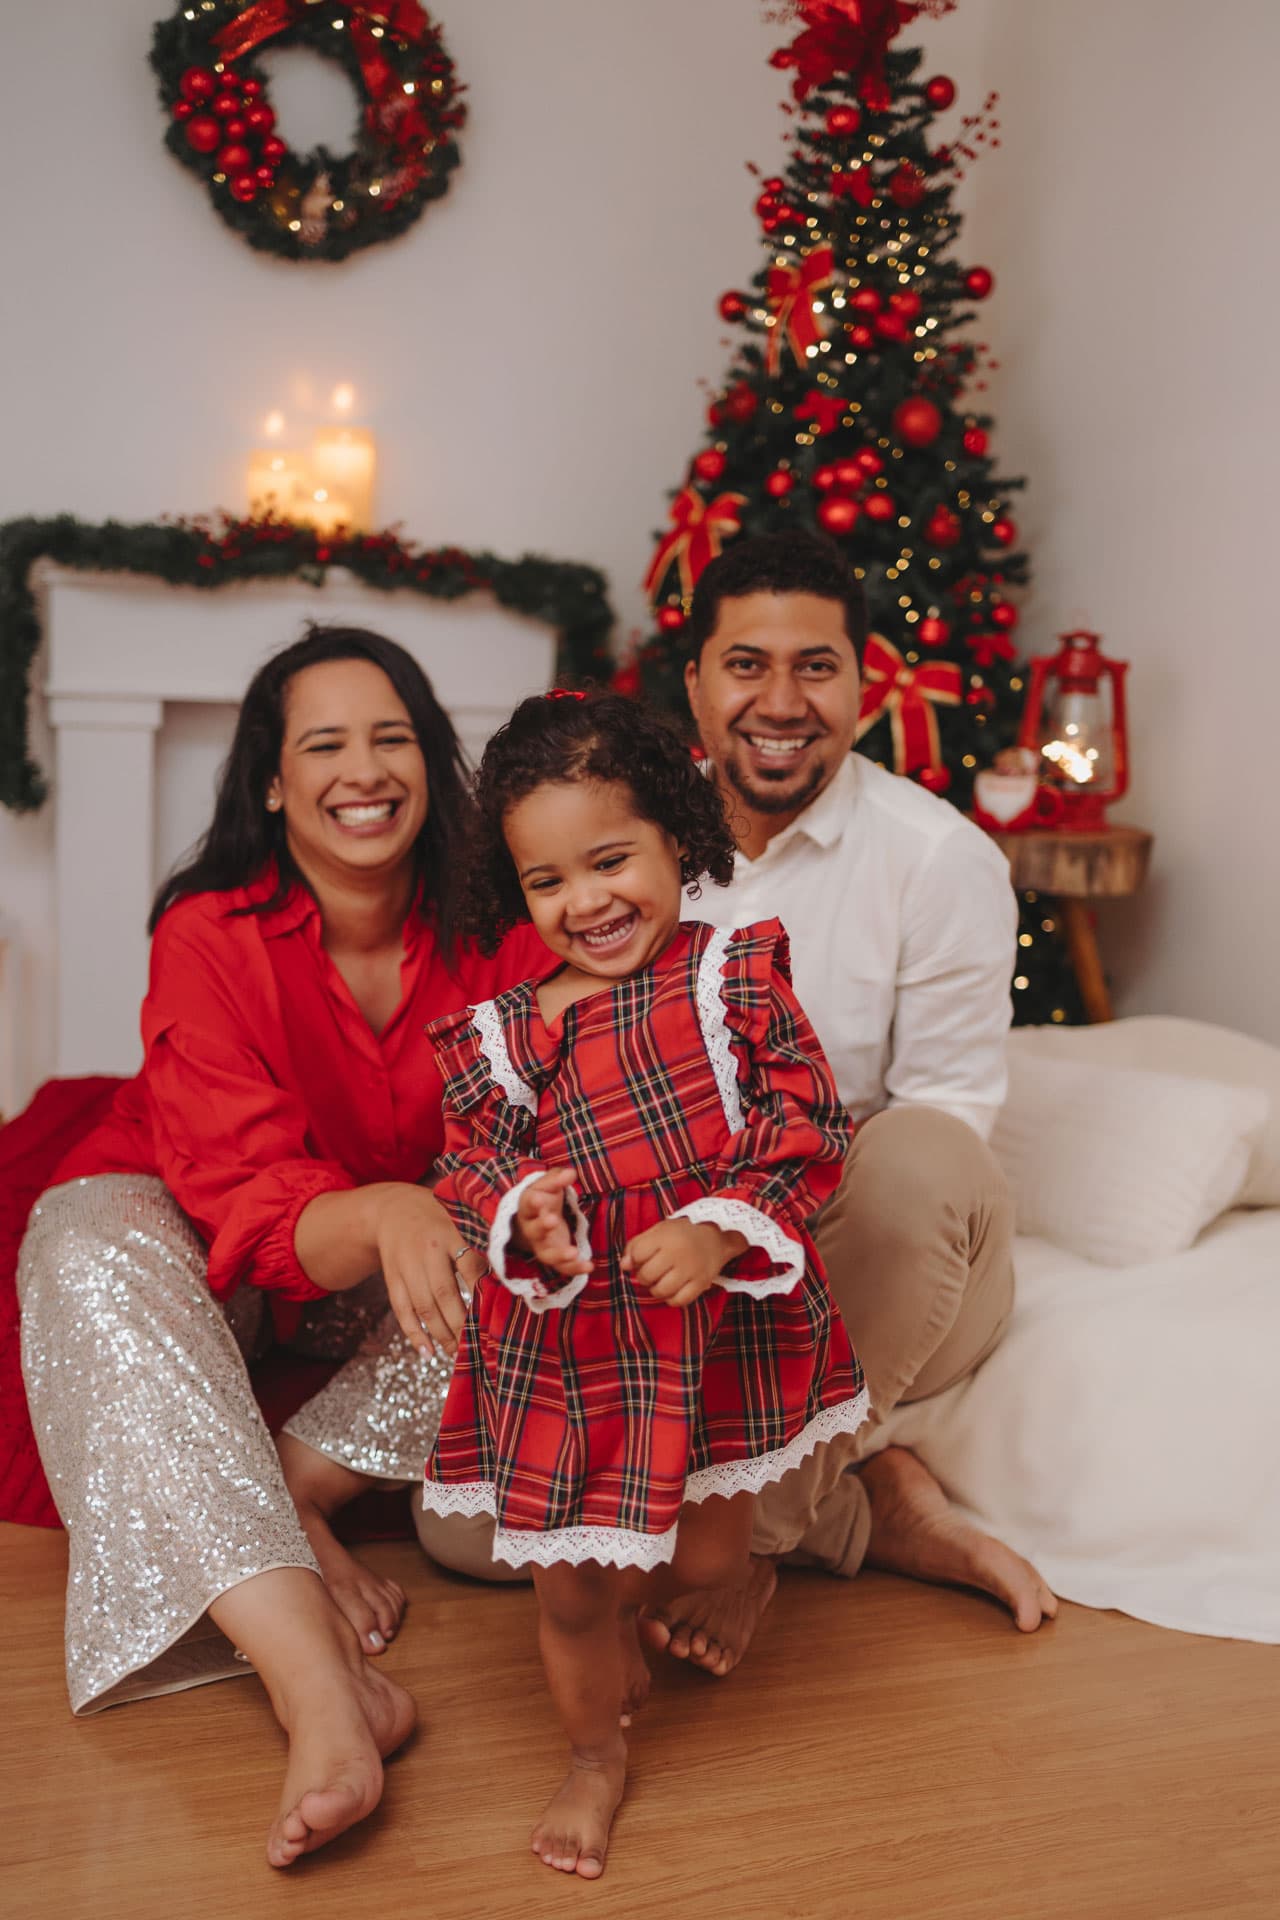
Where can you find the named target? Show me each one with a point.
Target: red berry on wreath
(869, 461)
(197, 83)
(907, 185)
(943, 528)
(936, 779)
(274, 151)
(865, 300)
(732, 305)
(1004, 531)
(709, 464)
(824, 478)
(880, 506)
(260, 119)
(670, 619)
(252, 89)
(975, 440)
(838, 514)
(940, 92)
(978, 282)
(234, 159)
(843, 120)
(933, 632)
(779, 483)
(1003, 614)
(849, 474)
(203, 133)
(225, 104)
(244, 188)
(917, 422)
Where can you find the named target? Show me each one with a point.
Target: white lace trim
(535, 1293)
(493, 1044)
(619, 1546)
(738, 1216)
(709, 996)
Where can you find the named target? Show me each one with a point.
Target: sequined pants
(157, 1456)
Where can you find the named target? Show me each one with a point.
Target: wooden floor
(889, 1752)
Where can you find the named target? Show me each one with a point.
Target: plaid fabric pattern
(596, 1415)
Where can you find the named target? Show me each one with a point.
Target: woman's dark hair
(560, 739)
(244, 838)
(793, 562)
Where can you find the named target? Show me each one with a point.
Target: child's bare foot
(573, 1833)
(319, 1486)
(337, 1741)
(636, 1678)
(712, 1629)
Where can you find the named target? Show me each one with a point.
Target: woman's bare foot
(573, 1833)
(338, 1738)
(319, 1487)
(915, 1531)
(712, 1629)
(636, 1679)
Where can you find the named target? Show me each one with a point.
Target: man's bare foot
(338, 1738)
(915, 1531)
(636, 1679)
(375, 1607)
(573, 1833)
(712, 1629)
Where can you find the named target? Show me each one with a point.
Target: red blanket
(31, 1146)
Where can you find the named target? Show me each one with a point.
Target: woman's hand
(679, 1259)
(542, 1225)
(417, 1242)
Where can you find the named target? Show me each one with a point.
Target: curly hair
(560, 739)
(795, 561)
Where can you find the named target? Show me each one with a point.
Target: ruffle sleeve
(788, 1132)
(490, 1115)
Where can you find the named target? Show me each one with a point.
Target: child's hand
(679, 1259)
(542, 1226)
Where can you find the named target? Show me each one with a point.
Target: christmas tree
(852, 404)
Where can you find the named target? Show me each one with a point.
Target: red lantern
(1074, 721)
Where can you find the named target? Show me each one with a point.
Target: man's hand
(542, 1225)
(679, 1259)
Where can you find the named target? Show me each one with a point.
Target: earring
(273, 803)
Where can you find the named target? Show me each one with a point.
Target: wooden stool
(1077, 868)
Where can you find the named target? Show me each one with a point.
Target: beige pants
(917, 1243)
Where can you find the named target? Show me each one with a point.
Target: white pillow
(1118, 1165)
(1164, 1044)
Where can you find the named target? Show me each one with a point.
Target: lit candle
(275, 480)
(324, 510)
(343, 461)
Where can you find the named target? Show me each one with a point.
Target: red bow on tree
(856, 181)
(824, 410)
(698, 526)
(849, 37)
(908, 695)
(790, 291)
(987, 648)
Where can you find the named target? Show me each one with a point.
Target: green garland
(209, 553)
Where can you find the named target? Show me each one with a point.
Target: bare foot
(338, 1739)
(573, 1833)
(636, 1678)
(915, 1531)
(712, 1629)
(375, 1607)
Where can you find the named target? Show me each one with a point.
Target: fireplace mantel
(119, 650)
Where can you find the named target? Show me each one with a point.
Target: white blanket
(1125, 1436)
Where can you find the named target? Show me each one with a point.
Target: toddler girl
(636, 1143)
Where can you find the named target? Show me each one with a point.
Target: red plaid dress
(582, 1414)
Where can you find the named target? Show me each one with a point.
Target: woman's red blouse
(263, 1084)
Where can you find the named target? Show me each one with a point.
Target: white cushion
(1163, 1044)
(1119, 1165)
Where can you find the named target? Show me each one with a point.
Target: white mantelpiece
(119, 651)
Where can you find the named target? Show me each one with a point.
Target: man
(902, 925)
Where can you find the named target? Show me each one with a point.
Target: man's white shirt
(903, 928)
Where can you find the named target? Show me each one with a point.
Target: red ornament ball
(876, 97)
(244, 188)
(766, 206)
(917, 421)
(265, 177)
(933, 632)
(741, 402)
(203, 133)
(849, 474)
(779, 483)
(183, 110)
(907, 186)
(670, 619)
(943, 528)
(235, 130)
(824, 479)
(273, 151)
(870, 462)
(838, 514)
(936, 779)
(1004, 531)
(908, 303)
(880, 506)
(226, 103)
(773, 184)
(865, 300)
(260, 119)
(978, 282)
(197, 83)
(975, 440)
(732, 305)
(709, 464)
(1003, 614)
(861, 338)
(234, 159)
(843, 120)
(251, 89)
(940, 92)
(891, 326)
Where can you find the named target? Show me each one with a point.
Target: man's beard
(769, 800)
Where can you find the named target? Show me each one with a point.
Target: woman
(270, 1152)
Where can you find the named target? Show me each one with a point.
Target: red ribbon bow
(824, 410)
(698, 526)
(908, 695)
(843, 36)
(856, 181)
(790, 291)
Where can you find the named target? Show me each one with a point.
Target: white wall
(529, 354)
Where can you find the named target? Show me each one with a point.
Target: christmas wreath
(318, 206)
